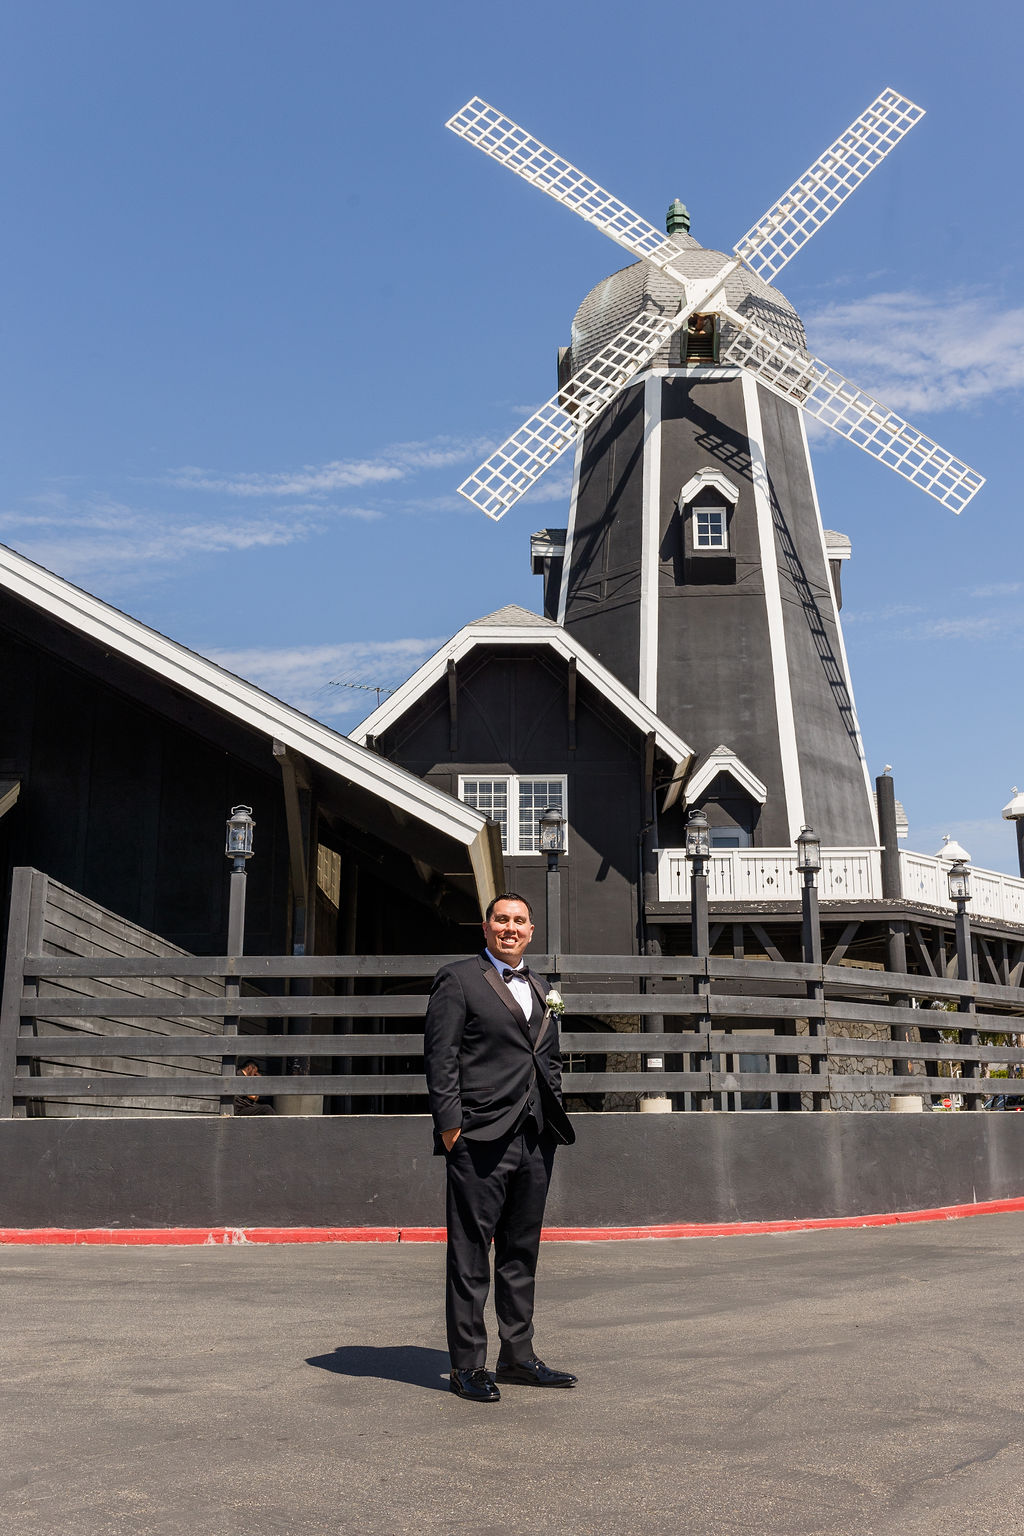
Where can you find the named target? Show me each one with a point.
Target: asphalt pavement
(857, 1382)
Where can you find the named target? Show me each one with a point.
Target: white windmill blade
(505, 141)
(825, 186)
(832, 399)
(521, 460)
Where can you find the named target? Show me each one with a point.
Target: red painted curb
(230, 1236)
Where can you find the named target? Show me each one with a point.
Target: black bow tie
(507, 974)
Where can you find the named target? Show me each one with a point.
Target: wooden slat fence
(88, 1026)
(117, 1027)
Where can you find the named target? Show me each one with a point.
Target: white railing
(847, 874)
(992, 894)
(770, 874)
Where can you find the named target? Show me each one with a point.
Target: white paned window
(491, 797)
(709, 528)
(516, 802)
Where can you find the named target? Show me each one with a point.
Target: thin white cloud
(991, 624)
(83, 539)
(922, 353)
(880, 615)
(998, 589)
(328, 681)
(397, 462)
(550, 487)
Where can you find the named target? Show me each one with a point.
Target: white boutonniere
(553, 1001)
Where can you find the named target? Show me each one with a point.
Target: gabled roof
(512, 626)
(245, 702)
(724, 760)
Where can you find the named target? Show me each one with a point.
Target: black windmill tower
(695, 565)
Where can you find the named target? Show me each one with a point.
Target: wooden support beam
(295, 780)
(649, 750)
(761, 935)
(453, 708)
(847, 937)
(571, 703)
(921, 949)
(10, 789)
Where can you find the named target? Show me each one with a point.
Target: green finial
(678, 218)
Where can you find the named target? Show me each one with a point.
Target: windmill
(695, 564)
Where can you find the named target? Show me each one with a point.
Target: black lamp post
(552, 842)
(808, 862)
(698, 851)
(238, 848)
(958, 876)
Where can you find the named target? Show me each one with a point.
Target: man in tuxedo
(494, 1083)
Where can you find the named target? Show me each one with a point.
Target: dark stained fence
(54, 922)
(119, 1027)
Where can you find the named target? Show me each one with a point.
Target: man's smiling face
(508, 931)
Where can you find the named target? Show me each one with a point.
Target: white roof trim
(724, 760)
(562, 643)
(244, 701)
(707, 479)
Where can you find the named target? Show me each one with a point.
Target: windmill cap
(951, 851)
(1015, 810)
(677, 218)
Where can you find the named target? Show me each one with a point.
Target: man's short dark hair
(248, 1062)
(507, 896)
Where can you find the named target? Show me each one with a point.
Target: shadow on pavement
(410, 1363)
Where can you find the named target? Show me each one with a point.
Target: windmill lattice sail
(832, 399)
(511, 470)
(504, 140)
(824, 187)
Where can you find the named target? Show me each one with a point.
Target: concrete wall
(378, 1171)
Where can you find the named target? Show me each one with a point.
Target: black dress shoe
(534, 1373)
(477, 1385)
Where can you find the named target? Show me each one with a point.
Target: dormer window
(707, 538)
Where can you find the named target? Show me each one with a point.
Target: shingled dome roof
(624, 295)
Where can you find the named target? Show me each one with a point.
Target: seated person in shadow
(251, 1103)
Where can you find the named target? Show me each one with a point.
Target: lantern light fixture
(698, 838)
(808, 852)
(551, 830)
(239, 835)
(959, 877)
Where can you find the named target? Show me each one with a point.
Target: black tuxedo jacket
(482, 1057)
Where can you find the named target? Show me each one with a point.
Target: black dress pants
(496, 1191)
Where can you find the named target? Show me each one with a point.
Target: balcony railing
(770, 874)
(847, 874)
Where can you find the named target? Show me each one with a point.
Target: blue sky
(263, 313)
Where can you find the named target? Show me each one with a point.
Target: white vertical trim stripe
(868, 786)
(650, 543)
(563, 595)
(773, 604)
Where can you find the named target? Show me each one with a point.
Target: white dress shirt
(519, 986)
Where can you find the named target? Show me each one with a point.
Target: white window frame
(513, 840)
(723, 512)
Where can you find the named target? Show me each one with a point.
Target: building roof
(724, 760)
(242, 700)
(515, 626)
(639, 287)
